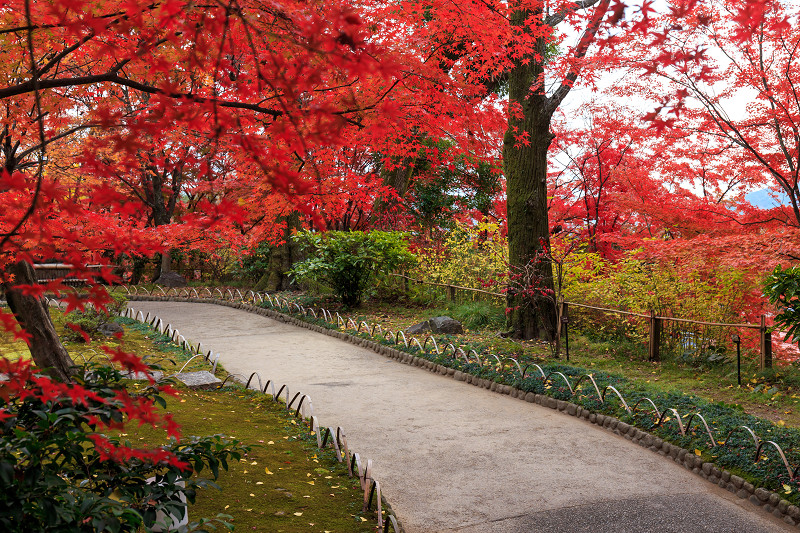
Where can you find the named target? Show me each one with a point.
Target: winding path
(454, 457)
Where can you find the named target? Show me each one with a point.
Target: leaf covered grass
(285, 484)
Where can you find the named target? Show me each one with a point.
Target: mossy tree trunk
(33, 315)
(281, 258)
(525, 147)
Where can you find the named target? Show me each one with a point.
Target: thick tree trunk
(525, 165)
(34, 316)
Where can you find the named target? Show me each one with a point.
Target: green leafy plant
(58, 473)
(85, 324)
(782, 287)
(350, 261)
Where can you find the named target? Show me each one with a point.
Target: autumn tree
(739, 102)
(269, 82)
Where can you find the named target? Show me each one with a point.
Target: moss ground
(285, 484)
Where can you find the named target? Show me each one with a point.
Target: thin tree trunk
(33, 315)
(282, 257)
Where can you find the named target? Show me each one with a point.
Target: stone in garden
(109, 328)
(143, 376)
(422, 327)
(445, 324)
(171, 279)
(198, 380)
(439, 324)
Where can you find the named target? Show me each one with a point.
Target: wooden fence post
(766, 345)
(451, 293)
(655, 337)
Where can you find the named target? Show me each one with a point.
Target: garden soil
(453, 457)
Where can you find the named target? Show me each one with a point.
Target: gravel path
(454, 457)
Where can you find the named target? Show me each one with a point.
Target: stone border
(770, 502)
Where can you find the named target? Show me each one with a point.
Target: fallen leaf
(267, 471)
(298, 514)
(697, 452)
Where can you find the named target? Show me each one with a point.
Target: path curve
(454, 457)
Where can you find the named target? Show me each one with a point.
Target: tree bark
(282, 257)
(33, 315)
(525, 147)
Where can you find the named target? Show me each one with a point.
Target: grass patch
(285, 484)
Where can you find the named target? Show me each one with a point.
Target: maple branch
(54, 139)
(30, 26)
(65, 52)
(580, 52)
(40, 123)
(113, 77)
(558, 17)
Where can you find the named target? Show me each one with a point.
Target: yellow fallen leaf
(252, 495)
(697, 452)
(787, 488)
(363, 519)
(310, 482)
(271, 442)
(298, 514)
(259, 482)
(267, 471)
(254, 463)
(781, 423)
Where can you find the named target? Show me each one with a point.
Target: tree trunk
(525, 149)
(137, 269)
(282, 257)
(33, 315)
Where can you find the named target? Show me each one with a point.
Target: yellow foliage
(471, 256)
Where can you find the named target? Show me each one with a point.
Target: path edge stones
(767, 501)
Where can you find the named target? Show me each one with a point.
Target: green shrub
(90, 319)
(350, 261)
(58, 473)
(782, 287)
